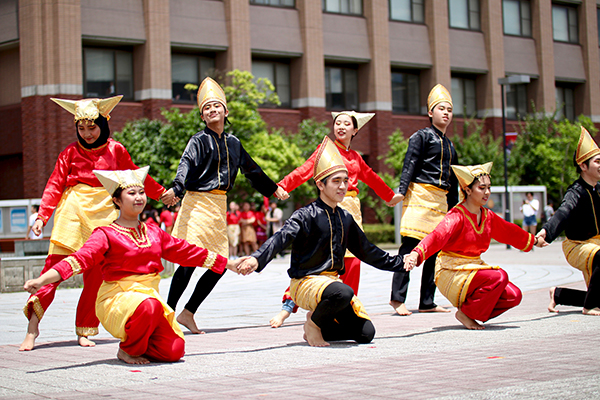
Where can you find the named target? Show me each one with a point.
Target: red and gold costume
(460, 274)
(128, 303)
(82, 205)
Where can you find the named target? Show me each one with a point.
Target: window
(405, 93)
(464, 14)
(280, 3)
(516, 101)
(341, 88)
(407, 10)
(107, 73)
(279, 75)
(463, 97)
(189, 69)
(565, 104)
(353, 7)
(564, 24)
(517, 17)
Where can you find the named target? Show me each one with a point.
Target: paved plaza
(527, 353)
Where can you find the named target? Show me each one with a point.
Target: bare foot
(552, 305)
(468, 322)
(121, 355)
(186, 318)
(312, 333)
(435, 309)
(400, 308)
(85, 342)
(277, 320)
(32, 333)
(593, 311)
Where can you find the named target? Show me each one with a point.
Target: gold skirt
(454, 273)
(423, 208)
(202, 221)
(580, 255)
(306, 292)
(81, 209)
(118, 300)
(233, 234)
(351, 203)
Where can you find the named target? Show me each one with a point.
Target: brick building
(370, 55)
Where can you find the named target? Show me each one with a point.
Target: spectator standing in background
(30, 235)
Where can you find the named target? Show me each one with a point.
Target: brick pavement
(525, 353)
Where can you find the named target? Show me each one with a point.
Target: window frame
(416, 100)
(274, 63)
(572, 13)
(412, 12)
(115, 70)
(562, 112)
(268, 4)
(522, 20)
(470, 20)
(462, 111)
(201, 74)
(345, 106)
(358, 14)
(517, 100)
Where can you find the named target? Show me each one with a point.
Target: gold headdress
(467, 174)
(438, 94)
(586, 148)
(89, 108)
(210, 90)
(361, 118)
(111, 180)
(328, 161)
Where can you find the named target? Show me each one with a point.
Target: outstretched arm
(33, 285)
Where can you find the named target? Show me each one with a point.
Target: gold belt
(352, 193)
(217, 191)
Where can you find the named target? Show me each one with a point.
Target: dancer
(128, 254)
(81, 205)
(346, 125)
(578, 217)
(479, 291)
(428, 189)
(207, 171)
(319, 234)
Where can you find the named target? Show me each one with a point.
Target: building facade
(379, 56)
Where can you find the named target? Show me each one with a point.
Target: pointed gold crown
(328, 161)
(438, 94)
(468, 173)
(210, 90)
(361, 118)
(89, 108)
(112, 180)
(586, 148)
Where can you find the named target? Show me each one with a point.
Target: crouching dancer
(319, 234)
(129, 253)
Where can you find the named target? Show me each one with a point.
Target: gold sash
(81, 209)
(202, 221)
(306, 292)
(454, 273)
(580, 255)
(118, 300)
(423, 208)
(351, 203)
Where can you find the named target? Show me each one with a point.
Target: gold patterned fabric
(580, 255)
(437, 95)
(202, 220)
(89, 109)
(454, 273)
(306, 292)
(586, 147)
(233, 234)
(81, 209)
(423, 208)
(118, 300)
(328, 160)
(352, 205)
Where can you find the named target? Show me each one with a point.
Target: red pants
(149, 334)
(86, 322)
(490, 294)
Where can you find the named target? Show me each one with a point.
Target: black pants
(336, 318)
(181, 278)
(581, 298)
(402, 278)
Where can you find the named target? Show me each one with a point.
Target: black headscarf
(102, 139)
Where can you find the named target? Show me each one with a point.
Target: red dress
(128, 302)
(259, 224)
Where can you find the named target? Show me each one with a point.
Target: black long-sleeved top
(428, 159)
(578, 213)
(211, 162)
(319, 236)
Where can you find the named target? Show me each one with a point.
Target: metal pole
(506, 196)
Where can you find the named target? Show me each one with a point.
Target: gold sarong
(81, 209)
(580, 255)
(454, 273)
(118, 300)
(306, 292)
(351, 203)
(423, 208)
(233, 234)
(202, 221)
